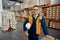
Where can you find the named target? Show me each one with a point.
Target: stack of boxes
(53, 12)
(33, 2)
(44, 2)
(8, 20)
(58, 12)
(48, 10)
(16, 8)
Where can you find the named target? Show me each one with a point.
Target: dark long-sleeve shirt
(32, 30)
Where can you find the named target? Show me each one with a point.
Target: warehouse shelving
(54, 20)
(43, 8)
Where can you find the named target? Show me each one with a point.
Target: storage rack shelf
(43, 7)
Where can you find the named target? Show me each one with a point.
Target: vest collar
(36, 17)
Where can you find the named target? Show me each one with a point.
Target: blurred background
(14, 12)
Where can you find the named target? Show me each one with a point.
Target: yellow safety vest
(38, 24)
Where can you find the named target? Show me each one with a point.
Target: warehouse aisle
(14, 35)
(18, 34)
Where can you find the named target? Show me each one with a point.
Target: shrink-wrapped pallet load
(44, 2)
(16, 7)
(8, 20)
(26, 3)
(33, 2)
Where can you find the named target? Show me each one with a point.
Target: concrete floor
(18, 34)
